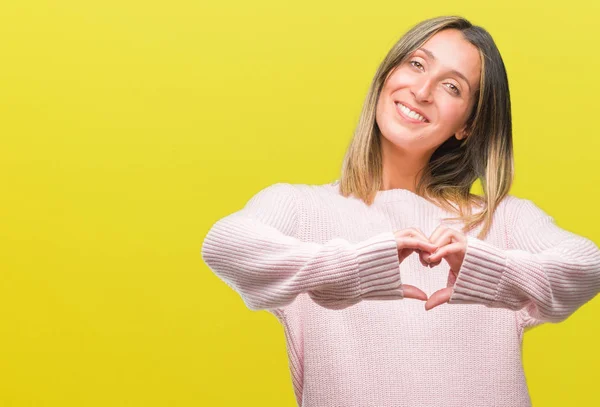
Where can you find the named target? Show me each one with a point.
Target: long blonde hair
(486, 154)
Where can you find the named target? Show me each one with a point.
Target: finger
(422, 255)
(447, 235)
(415, 243)
(444, 251)
(412, 233)
(415, 232)
(433, 263)
(410, 291)
(422, 252)
(438, 298)
(443, 237)
(437, 232)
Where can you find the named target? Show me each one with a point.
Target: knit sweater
(327, 267)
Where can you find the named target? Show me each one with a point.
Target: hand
(452, 247)
(410, 240)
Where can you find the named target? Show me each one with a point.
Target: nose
(421, 90)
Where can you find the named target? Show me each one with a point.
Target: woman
(332, 262)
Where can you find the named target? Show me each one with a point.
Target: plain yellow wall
(130, 127)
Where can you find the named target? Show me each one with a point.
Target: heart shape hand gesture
(444, 243)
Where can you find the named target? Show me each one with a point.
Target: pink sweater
(327, 267)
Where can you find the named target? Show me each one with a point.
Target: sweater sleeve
(546, 272)
(255, 251)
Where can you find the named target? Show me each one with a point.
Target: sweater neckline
(392, 195)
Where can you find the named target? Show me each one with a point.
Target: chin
(405, 141)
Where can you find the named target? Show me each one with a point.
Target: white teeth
(410, 113)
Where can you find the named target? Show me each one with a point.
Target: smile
(409, 115)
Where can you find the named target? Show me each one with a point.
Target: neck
(400, 168)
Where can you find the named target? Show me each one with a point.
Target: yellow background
(130, 127)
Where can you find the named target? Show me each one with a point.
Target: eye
(454, 89)
(413, 62)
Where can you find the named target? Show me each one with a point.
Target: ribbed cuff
(379, 267)
(480, 274)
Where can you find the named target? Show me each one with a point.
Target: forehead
(453, 51)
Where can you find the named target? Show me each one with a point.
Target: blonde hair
(485, 154)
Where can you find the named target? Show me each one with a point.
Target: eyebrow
(454, 71)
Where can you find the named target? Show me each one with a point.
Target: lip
(414, 109)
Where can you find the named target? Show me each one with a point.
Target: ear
(462, 133)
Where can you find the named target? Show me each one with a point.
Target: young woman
(333, 262)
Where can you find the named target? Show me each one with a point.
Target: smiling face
(439, 81)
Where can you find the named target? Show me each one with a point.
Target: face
(438, 83)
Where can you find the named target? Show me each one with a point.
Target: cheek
(400, 77)
(401, 80)
(380, 106)
(453, 114)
